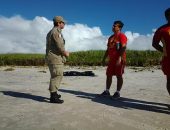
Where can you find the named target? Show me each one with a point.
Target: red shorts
(114, 69)
(166, 66)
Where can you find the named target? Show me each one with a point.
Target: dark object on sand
(76, 73)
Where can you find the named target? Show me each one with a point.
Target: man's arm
(156, 40)
(156, 45)
(121, 52)
(60, 45)
(123, 43)
(104, 57)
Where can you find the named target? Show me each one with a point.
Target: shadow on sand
(25, 95)
(125, 103)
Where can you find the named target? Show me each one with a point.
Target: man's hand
(119, 61)
(66, 53)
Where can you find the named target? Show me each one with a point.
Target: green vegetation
(90, 58)
(82, 58)
(143, 58)
(22, 59)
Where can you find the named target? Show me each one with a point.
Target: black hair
(121, 24)
(55, 23)
(167, 13)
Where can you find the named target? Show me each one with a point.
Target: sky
(24, 24)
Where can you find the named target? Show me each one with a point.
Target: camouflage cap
(58, 19)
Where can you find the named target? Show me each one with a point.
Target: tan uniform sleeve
(59, 41)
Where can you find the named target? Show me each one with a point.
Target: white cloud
(23, 36)
(19, 35)
(131, 36)
(139, 42)
(82, 37)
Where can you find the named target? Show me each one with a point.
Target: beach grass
(82, 58)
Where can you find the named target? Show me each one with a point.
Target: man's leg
(108, 82)
(119, 82)
(168, 84)
(56, 72)
(116, 95)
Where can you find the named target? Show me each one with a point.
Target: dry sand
(24, 101)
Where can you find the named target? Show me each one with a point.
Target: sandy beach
(24, 101)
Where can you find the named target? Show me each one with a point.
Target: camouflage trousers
(56, 72)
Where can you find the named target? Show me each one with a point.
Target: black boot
(55, 98)
(58, 95)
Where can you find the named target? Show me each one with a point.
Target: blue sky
(139, 16)
(25, 23)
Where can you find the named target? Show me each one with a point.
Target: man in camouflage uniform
(56, 57)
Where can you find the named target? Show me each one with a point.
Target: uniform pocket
(56, 70)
